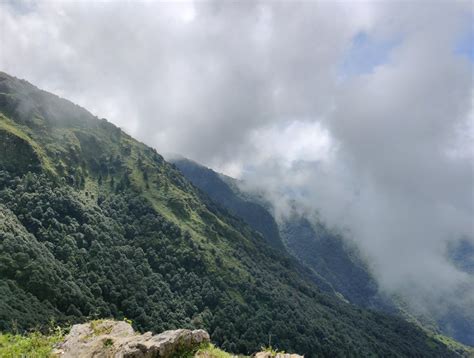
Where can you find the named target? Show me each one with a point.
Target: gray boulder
(115, 339)
(276, 355)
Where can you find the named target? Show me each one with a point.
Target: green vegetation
(32, 345)
(98, 327)
(273, 352)
(224, 191)
(211, 351)
(461, 349)
(108, 342)
(104, 227)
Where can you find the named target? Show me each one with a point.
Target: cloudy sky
(361, 110)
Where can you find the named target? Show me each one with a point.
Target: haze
(360, 111)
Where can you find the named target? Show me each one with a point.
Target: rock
(278, 355)
(165, 344)
(114, 339)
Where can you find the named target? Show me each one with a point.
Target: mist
(360, 112)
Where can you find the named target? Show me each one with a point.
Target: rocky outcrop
(276, 355)
(115, 339)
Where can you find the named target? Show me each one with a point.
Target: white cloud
(253, 88)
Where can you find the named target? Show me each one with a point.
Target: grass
(32, 345)
(108, 342)
(101, 326)
(11, 127)
(463, 350)
(273, 352)
(211, 351)
(430, 328)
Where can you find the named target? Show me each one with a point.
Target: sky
(361, 111)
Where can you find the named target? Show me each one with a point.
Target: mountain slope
(337, 265)
(218, 190)
(96, 224)
(333, 259)
(337, 268)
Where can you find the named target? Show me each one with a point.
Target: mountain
(214, 185)
(337, 266)
(335, 260)
(461, 255)
(94, 224)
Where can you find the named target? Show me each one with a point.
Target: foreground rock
(114, 339)
(278, 355)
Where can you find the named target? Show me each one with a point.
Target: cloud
(392, 181)
(198, 85)
(362, 111)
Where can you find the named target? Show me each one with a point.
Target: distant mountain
(214, 185)
(462, 256)
(337, 265)
(456, 320)
(335, 260)
(95, 224)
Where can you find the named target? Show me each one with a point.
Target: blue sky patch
(465, 45)
(364, 54)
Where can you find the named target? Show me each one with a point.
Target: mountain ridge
(100, 225)
(320, 250)
(337, 263)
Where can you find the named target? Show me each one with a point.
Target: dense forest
(94, 224)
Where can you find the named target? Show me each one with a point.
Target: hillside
(95, 224)
(219, 191)
(337, 266)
